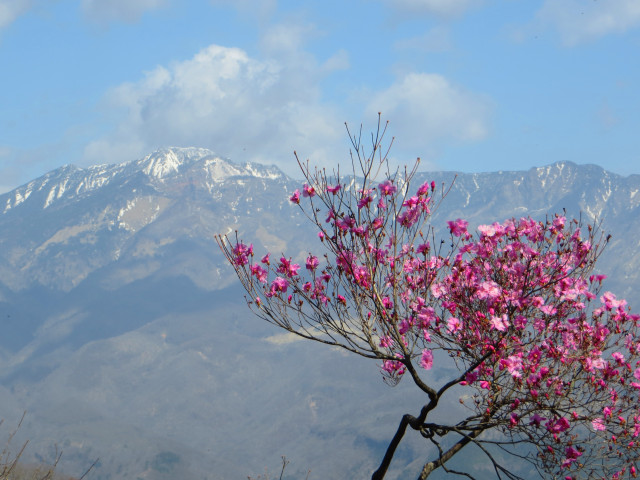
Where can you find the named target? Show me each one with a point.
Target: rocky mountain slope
(126, 337)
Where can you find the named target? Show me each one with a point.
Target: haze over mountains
(126, 337)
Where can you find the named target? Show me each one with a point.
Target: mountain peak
(161, 168)
(166, 161)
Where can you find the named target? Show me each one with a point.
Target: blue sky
(467, 85)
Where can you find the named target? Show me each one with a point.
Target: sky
(466, 85)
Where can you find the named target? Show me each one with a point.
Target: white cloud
(580, 21)
(12, 9)
(104, 11)
(240, 107)
(426, 108)
(261, 109)
(444, 8)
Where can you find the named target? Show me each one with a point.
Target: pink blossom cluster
(548, 359)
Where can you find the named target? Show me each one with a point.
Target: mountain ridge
(157, 168)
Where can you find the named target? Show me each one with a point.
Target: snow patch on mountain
(162, 164)
(159, 167)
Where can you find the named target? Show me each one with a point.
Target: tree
(547, 367)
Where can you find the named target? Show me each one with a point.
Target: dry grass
(11, 468)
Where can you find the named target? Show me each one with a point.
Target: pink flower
(470, 378)
(500, 323)
(487, 230)
(598, 424)
(514, 366)
(488, 289)
(454, 325)
(548, 309)
(536, 420)
(618, 357)
(333, 190)
(279, 285)
(295, 198)
(458, 227)
(364, 202)
(312, 263)
(571, 455)
(514, 419)
(520, 322)
(387, 188)
(361, 276)
(393, 367)
(308, 191)
(288, 268)
(558, 426)
(241, 253)
(423, 248)
(438, 290)
(259, 272)
(426, 360)
(610, 301)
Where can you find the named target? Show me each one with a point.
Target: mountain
(126, 337)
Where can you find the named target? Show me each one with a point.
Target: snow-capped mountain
(201, 167)
(126, 336)
(72, 221)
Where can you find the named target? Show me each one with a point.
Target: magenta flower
(387, 188)
(287, 267)
(488, 289)
(364, 202)
(308, 191)
(454, 325)
(558, 426)
(500, 323)
(312, 262)
(618, 357)
(458, 227)
(295, 198)
(333, 190)
(598, 424)
(423, 248)
(487, 230)
(536, 420)
(393, 367)
(513, 420)
(426, 360)
(279, 285)
(241, 253)
(571, 455)
(259, 272)
(361, 277)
